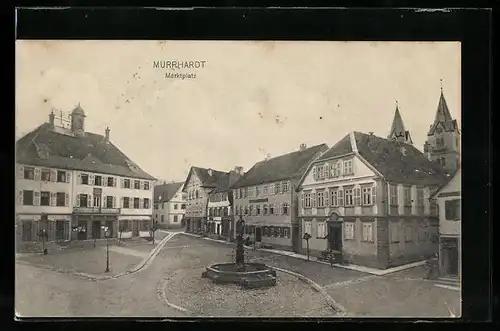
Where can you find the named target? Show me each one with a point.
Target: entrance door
(258, 234)
(82, 235)
(60, 230)
(96, 229)
(135, 228)
(335, 237)
(109, 225)
(296, 242)
(451, 258)
(27, 229)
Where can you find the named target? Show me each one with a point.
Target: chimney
(238, 170)
(51, 119)
(210, 172)
(303, 147)
(106, 136)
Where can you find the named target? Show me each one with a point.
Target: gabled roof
(342, 147)
(209, 178)
(443, 117)
(165, 192)
(89, 152)
(288, 166)
(440, 188)
(398, 162)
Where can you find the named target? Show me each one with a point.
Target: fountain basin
(249, 275)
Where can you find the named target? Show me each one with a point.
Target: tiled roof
(398, 162)
(288, 166)
(342, 147)
(165, 192)
(90, 152)
(443, 116)
(215, 179)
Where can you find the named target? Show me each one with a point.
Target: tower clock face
(439, 130)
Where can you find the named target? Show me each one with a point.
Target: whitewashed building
(71, 183)
(169, 205)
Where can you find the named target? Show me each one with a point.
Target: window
(265, 209)
(308, 227)
(348, 197)
(146, 185)
(29, 173)
(137, 203)
(340, 197)
(126, 183)
(60, 199)
(266, 192)
(111, 181)
(146, 203)
(60, 233)
(175, 218)
(394, 232)
(27, 230)
(83, 198)
(439, 142)
(196, 194)
(286, 232)
(124, 226)
(85, 179)
(225, 211)
(349, 230)
(407, 196)
(46, 175)
(45, 199)
(250, 210)
(183, 206)
(442, 161)
(367, 231)
(307, 200)
(452, 210)
(277, 188)
(246, 210)
(357, 196)
(137, 184)
(320, 172)
(286, 187)
(326, 172)
(97, 201)
(271, 209)
(408, 231)
(321, 230)
(162, 218)
(423, 234)
(394, 194)
(98, 180)
(333, 198)
(335, 169)
(126, 202)
(348, 167)
(321, 199)
(61, 176)
(176, 206)
(265, 231)
(368, 196)
(285, 208)
(109, 202)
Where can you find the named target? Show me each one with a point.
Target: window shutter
(114, 203)
(357, 196)
(141, 185)
(326, 200)
(104, 181)
(36, 198)
(313, 198)
(370, 232)
(302, 199)
(114, 181)
(340, 197)
(53, 175)
(20, 172)
(122, 201)
(374, 195)
(79, 178)
(90, 203)
(104, 202)
(68, 177)
(457, 209)
(92, 180)
(78, 200)
(141, 203)
(53, 198)
(315, 173)
(20, 197)
(122, 182)
(37, 174)
(326, 169)
(66, 199)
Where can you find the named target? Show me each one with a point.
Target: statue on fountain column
(240, 252)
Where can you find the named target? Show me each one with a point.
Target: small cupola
(78, 120)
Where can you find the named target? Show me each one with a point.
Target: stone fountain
(248, 275)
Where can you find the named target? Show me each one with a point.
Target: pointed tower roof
(443, 116)
(398, 130)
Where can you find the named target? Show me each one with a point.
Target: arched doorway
(334, 236)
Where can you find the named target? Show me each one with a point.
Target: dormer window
(348, 167)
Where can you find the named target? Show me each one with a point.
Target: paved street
(171, 286)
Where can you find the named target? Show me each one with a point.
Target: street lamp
(306, 237)
(153, 230)
(106, 235)
(43, 231)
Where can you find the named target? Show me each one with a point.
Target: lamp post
(106, 235)
(306, 237)
(43, 231)
(153, 230)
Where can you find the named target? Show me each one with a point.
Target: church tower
(78, 121)
(398, 131)
(443, 138)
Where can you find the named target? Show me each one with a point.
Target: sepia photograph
(297, 179)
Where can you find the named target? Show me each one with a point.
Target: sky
(250, 99)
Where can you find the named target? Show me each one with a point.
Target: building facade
(450, 227)
(220, 214)
(169, 205)
(367, 198)
(72, 183)
(443, 139)
(265, 198)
